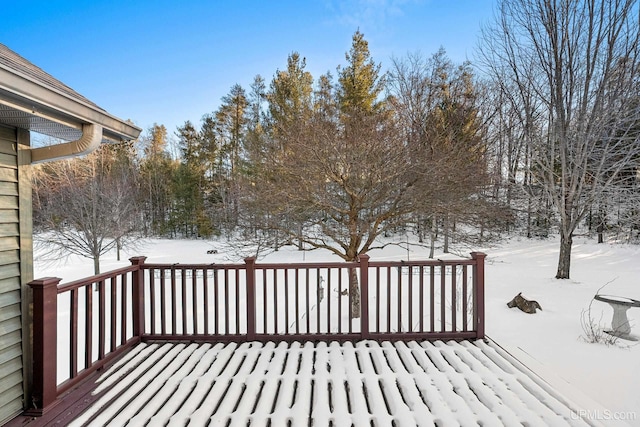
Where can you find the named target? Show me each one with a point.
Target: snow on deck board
(368, 383)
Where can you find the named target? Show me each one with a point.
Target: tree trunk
(354, 293)
(433, 235)
(300, 242)
(564, 260)
(600, 230)
(96, 264)
(601, 218)
(432, 246)
(445, 228)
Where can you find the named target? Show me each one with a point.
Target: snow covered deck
(274, 345)
(368, 383)
(83, 326)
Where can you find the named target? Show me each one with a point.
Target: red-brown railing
(80, 326)
(88, 323)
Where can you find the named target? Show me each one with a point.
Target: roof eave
(23, 93)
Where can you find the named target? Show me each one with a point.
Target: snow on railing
(81, 326)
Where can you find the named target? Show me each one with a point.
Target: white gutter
(89, 141)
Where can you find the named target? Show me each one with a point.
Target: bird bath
(620, 326)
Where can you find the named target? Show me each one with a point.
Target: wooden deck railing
(81, 326)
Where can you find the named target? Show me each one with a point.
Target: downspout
(89, 141)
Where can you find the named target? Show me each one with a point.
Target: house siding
(11, 331)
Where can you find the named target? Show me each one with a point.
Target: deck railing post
(478, 285)
(364, 295)
(45, 329)
(251, 297)
(138, 296)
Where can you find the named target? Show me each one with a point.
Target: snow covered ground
(609, 374)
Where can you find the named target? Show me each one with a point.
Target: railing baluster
(432, 298)
(74, 334)
(318, 328)
(113, 319)
(388, 299)
(216, 301)
(421, 297)
(265, 303)
(101, 319)
(327, 295)
(205, 296)
(349, 302)
(339, 301)
(454, 305)
(152, 298)
(237, 301)
(307, 297)
(183, 287)
(400, 298)
(194, 300)
(378, 303)
(465, 326)
(275, 301)
(173, 297)
(226, 301)
(123, 309)
(410, 302)
(163, 300)
(286, 301)
(443, 296)
(88, 354)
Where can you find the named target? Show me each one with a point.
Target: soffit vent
(24, 120)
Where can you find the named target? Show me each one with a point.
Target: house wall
(14, 274)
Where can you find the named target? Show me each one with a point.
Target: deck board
(364, 384)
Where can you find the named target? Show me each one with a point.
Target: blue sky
(167, 61)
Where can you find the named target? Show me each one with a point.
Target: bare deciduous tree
(334, 173)
(338, 170)
(572, 66)
(437, 106)
(86, 206)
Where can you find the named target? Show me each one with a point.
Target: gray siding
(11, 373)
